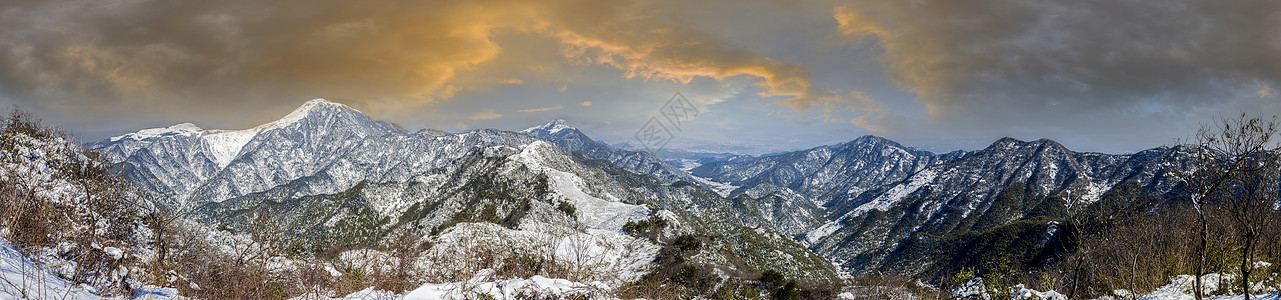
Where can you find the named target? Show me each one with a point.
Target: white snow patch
(898, 192)
(1022, 292)
(114, 252)
(484, 283)
(1051, 228)
(225, 145)
(821, 232)
(972, 288)
(1093, 192)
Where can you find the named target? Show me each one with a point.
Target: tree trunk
(1076, 277)
(1134, 272)
(1200, 262)
(1246, 266)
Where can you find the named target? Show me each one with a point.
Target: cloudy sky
(1109, 76)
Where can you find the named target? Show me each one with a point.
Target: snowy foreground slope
(24, 278)
(67, 230)
(1179, 288)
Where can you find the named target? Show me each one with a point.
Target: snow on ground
(1022, 292)
(599, 255)
(485, 283)
(1180, 288)
(602, 259)
(300, 113)
(23, 278)
(592, 210)
(226, 144)
(1093, 191)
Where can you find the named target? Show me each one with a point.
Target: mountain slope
(1008, 182)
(183, 160)
(826, 173)
(801, 189)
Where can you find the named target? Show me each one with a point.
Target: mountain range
(332, 175)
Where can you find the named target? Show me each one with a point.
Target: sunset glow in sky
(1110, 76)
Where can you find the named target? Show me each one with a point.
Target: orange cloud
(485, 115)
(542, 109)
(380, 55)
(852, 23)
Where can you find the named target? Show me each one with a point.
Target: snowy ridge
(225, 145)
(829, 175)
(300, 144)
(593, 211)
(184, 129)
(570, 139)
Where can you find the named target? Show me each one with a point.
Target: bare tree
(1250, 204)
(1231, 161)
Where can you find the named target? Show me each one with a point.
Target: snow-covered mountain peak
(179, 129)
(1005, 143)
(187, 127)
(552, 127)
(872, 139)
(311, 107)
(1008, 143)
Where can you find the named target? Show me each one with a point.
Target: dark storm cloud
(121, 57)
(1085, 67)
